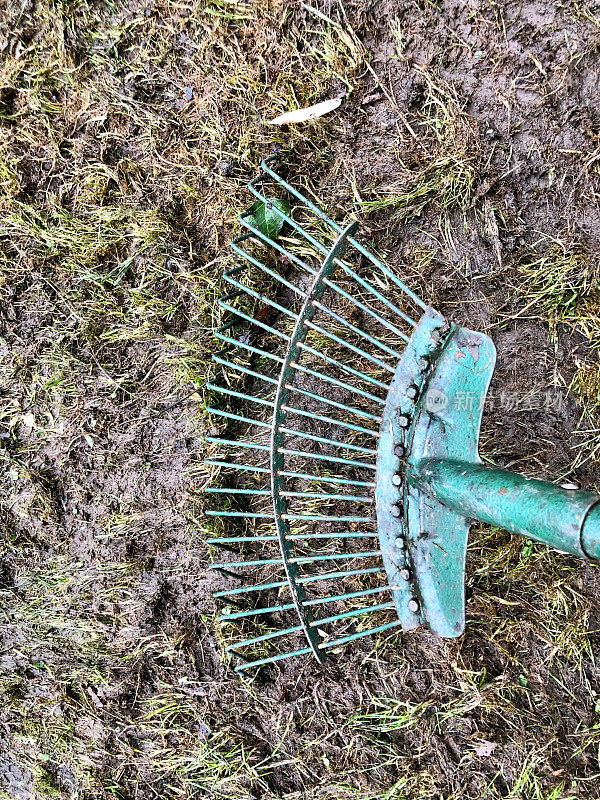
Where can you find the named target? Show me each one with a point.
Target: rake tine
(273, 659)
(326, 479)
(249, 588)
(359, 635)
(252, 321)
(248, 347)
(338, 383)
(331, 420)
(324, 440)
(354, 613)
(255, 612)
(346, 596)
(322, 457)
(236, 443)
(362, 375)
(342, 406)
(250, 398)
(264, 638)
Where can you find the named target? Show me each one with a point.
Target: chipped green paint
(445, 486)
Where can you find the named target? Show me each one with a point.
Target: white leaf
(28, 420)
(486, 749)
(306, 114)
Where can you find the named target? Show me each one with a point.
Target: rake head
(340, 441)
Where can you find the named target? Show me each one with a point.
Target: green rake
(347, 469)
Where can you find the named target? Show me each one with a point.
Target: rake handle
(568, 520)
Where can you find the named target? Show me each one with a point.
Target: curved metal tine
(213, 462)
(358, 350)
(320, 496)
(332, 556)
(323, 216)
(325, 457)
(248, 347)
(324, 440)
(345, 367)
(240, 368)
(327, 401)
(314, 601)
(242, 515)
(236, 443)
(381, 297)
(265, 637)
(351, 637)
(327, 479)
(340, 574)
(213, 387)
(324, 250)
(226, 540)
(368, 310)
(258, 587)
(357, 612)
(340, 384)
(276, 246)
(238, 417)
(262, 297)
(259, 562)
(255, 612)
(335, 535)
(272, 659)
(251, 320)
(271, 272)
(359, 331)
(331, 421)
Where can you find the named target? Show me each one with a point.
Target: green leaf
(264, 217)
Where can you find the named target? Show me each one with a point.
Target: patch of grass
(201, 758)
(55, 666)
(87, 238)
(560, 282)
(447, 183)
(586, 388)
(388, 715)
(338, 51)
(446, 160)
(531, 784)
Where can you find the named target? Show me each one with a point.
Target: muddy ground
(468, 144)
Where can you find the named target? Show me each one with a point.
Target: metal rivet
(403, 421)
(396, 510)
(397, 479)
(423, 363)
(412, 392)
(400, 543)
(399, 450)
(405, 574)
(413, 605)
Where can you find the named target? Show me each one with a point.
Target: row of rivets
(397, 509)
(412, 393)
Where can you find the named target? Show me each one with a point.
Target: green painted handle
(565, 519)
